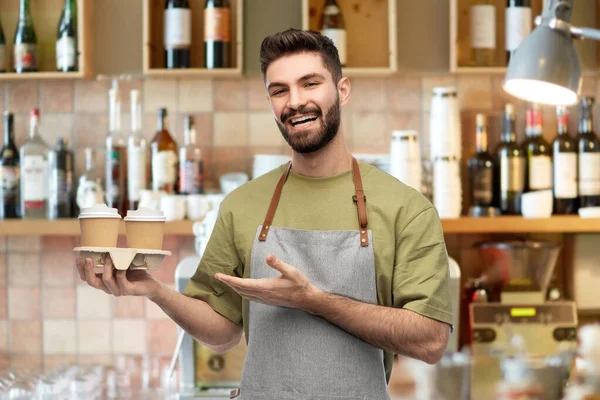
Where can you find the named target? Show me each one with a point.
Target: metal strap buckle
(355, 199)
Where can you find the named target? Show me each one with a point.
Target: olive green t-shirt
(411, 262)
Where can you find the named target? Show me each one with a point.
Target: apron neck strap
(359, 198)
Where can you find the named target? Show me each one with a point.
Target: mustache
(302, 111)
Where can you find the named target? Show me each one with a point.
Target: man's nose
(296, 100)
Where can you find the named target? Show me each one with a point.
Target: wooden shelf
(517, 224)
(194, 73)
(46, 16)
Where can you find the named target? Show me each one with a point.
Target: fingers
(125, 286)
(278, 265)
(91, 278)
(107, 277)
(237, 283)
(80, 263)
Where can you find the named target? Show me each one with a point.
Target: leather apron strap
(359, 198)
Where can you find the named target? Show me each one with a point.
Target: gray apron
(294, 355)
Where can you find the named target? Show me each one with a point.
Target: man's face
(305, 101)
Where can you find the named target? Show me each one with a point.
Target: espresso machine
(511, 315)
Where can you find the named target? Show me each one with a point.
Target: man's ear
(344, 89)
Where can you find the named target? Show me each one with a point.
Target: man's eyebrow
(302, 79)
(275, 84)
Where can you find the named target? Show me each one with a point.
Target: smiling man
(328, 265)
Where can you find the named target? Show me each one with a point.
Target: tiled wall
(48, 316)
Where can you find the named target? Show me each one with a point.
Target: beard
(314, 139)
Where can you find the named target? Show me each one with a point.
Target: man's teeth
(302, 119)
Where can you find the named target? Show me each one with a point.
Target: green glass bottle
(2, 50)
(66, 38)
(25, 44)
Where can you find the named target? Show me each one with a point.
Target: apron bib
(294, 355)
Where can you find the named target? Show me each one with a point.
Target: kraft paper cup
(144, 228)
(99, 226)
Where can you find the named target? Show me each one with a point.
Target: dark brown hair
(294, 41)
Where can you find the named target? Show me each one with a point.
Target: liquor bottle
(564, 154)
(518, 24)
(25, 43)
(191, 166)
(34, 156)
(334, 27)
(481, 168)
(61, 181)
(178, 33)
(538, 169)
(217, 34)
(483, 33)
(116, 157)
(164, 157)
(136, 153)
(589, 156)
(512, 166)
(90, 187)
(66, 38)
(9, 171)
(3, 59)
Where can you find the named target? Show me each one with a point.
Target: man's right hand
(117, 282)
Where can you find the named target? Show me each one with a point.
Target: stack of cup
(99, 226)
(405, 158)
(446, 149)
(144, 228)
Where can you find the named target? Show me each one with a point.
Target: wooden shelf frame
(84, 39)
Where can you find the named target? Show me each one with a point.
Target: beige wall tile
(475, 92)
(24, 269)
(258, 99)
(368, 128)
(22, 96)
(56, 96)
(26, 362)
(3, 302)
(91, 96)
(58, 243)
(24, 243)
(129, 336)
(160, 93)
(2, 91)
(92, 303)
(264, 130)
(3, 270)
(367, 94)
(500, 98)
(195, 95)
(346, 125)
(51, 362)
(230, 95)
(93, 337)
(588, 87)
(427, 85)
(203, 123)
(403, 94)
(125, 88)
(90, 130)
(21, 128)
(162, 336)
(230, 128)
(24, 303)
(59, 302)
(102, 359)
(57, 267)
(3, 336)
(26, 337)
(60, 337)
(128, 307)
(53, 126)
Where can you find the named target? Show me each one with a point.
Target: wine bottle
(217, 34)
(136, 154)
(483, 33)
(334, 27)
(512, 166)
(3, 60)
(34, 188)
(25, 43)
(538, 170)
(481, 168)
(116, 157)
(178, 33)
(164, 157)
(518, 24)
(589, 156)
(9, 171)
(61, 181)
(66, 38)
(90, 186)
(564, 153)
(191, 166)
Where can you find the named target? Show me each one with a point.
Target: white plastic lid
(99, 211)
(404, 133)
(145, 214)
(444, 90)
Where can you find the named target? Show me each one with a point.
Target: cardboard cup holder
(124, 258)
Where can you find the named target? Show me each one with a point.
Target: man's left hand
(290, 289)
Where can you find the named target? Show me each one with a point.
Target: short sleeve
(421, 275)
(220, 256)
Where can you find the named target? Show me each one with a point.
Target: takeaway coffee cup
(99, 226)
(144, 228)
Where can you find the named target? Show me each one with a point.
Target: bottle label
(589, 174)
(25, 56)
(178, 28)
(512, 174)
(10, 182)
(565, 175)
(65, 53)
(482, 187)
(89, 192)
(217, 25)
(191, 178)
(483, 27)
(338, 36)
(136, 172)
(540, 172)
(2, 57)
(164, 169)
(518, 26)
(34, 181)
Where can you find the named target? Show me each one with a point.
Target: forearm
(198, 319)
(397, 331)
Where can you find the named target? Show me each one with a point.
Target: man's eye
(312, 84)
(278, 92)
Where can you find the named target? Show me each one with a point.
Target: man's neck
(331, 160)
